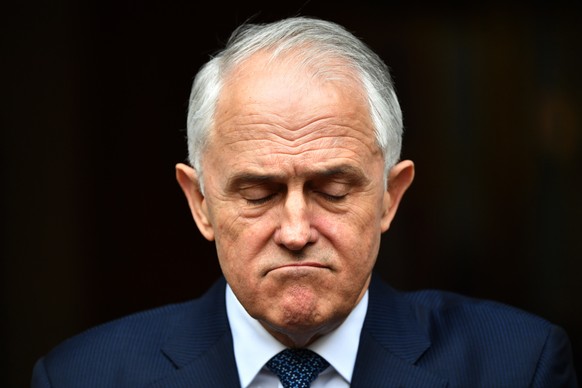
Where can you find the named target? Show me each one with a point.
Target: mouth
(305, 265)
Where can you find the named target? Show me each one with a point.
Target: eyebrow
(353, 174)
(343, 170)
(248, 178)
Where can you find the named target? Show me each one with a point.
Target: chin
(300, 328)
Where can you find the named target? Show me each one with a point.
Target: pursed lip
(307, 264)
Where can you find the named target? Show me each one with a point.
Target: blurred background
(95, 226)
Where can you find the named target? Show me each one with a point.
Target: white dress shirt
(254, 346)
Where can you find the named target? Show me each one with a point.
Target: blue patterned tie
(297, 368)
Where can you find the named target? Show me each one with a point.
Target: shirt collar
(254, 346)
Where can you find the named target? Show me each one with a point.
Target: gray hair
(315, 41)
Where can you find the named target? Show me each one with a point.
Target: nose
(295, 230)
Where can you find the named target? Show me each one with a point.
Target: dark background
(95, 226)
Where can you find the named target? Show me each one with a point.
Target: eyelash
(333, 198)
(260, 201)
(327, 197)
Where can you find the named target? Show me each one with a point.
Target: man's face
(294, 197)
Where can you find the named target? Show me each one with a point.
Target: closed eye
(260, 201)
(333, 198)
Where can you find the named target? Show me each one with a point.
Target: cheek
(239, 239)
(355, 237)
(357, 223)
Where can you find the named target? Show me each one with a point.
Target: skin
(295, 196)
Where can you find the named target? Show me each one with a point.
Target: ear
(188, 180)
(399, 180)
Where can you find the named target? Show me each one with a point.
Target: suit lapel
(200, 346)
(215, 368)
(393, 339)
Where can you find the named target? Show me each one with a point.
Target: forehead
(284, 108)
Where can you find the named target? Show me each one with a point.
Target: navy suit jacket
(409, 339)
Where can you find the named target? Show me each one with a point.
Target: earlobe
(188, 180)
(399, 180)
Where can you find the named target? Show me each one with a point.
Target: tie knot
(297, 368)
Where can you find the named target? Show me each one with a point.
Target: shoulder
(469, 341)
(126, 349)
(440, 308)
(447, 313)
(492, 341)
(138, 330)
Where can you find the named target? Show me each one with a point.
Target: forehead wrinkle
(249, 105)
(340, 168)
(256, 120)
(270, 151)
(289, 125)
(317, 132)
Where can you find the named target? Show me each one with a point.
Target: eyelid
(260, 201)
(258, 194)
(334, 188)
(331, 189)
(333, 198)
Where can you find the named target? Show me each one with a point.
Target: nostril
(296, 242)
(295, 237)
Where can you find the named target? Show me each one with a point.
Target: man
(294, 135)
